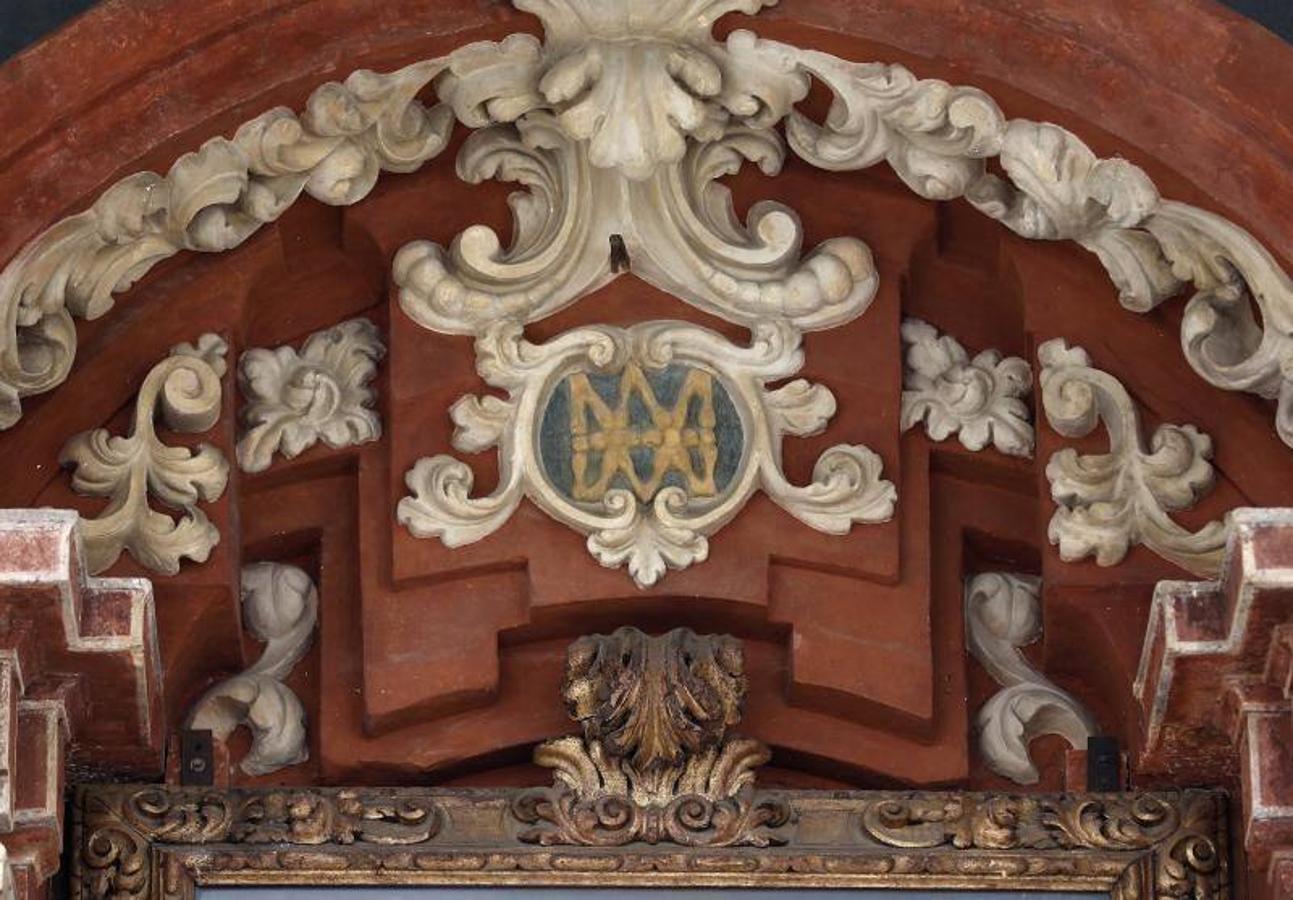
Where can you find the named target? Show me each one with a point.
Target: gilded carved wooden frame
(657, 790)
(162, 842)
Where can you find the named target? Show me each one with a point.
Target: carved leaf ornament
(1002, 614)
(1112, 501)
(621, 122)
(280, 607)
(128, 470)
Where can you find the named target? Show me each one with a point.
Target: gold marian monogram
(676, 440)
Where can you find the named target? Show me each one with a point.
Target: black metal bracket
(1103, 764)
(197, 763)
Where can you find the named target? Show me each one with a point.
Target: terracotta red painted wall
(442, 666)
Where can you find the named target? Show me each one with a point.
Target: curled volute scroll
(656, 762)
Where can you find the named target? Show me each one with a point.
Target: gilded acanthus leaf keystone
(657, 761)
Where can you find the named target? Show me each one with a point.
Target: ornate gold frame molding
(162, 842)
(656, 789)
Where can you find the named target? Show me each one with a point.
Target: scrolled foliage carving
(644, 102)
(185, 388)
(210, 200)
(656, 762)
(1109, 502)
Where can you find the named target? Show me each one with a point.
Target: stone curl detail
(1109, 502)
(280, 607)
(1003, 614)
(186, 389)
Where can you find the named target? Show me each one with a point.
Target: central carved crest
(648, 439)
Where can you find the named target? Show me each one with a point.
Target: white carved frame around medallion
(643, 153)
(671, 531)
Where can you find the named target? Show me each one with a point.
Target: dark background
(25, 21)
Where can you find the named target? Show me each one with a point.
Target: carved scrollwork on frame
(118, 830)
(1185, 833)
(163, 842)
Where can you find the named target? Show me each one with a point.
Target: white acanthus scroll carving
(678, 227)
(210, 200)
(558, 434)
(1152, 248)
(976, 399)
(185, 388)
(280, 607)
(618, 123)
(1002, 614)
(294, 400)
(1108, 502)
(647, 439)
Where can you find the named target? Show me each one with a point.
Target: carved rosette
(587, 407)
(164, 842)
(295, 399)
(980, 400)
(656, 762)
